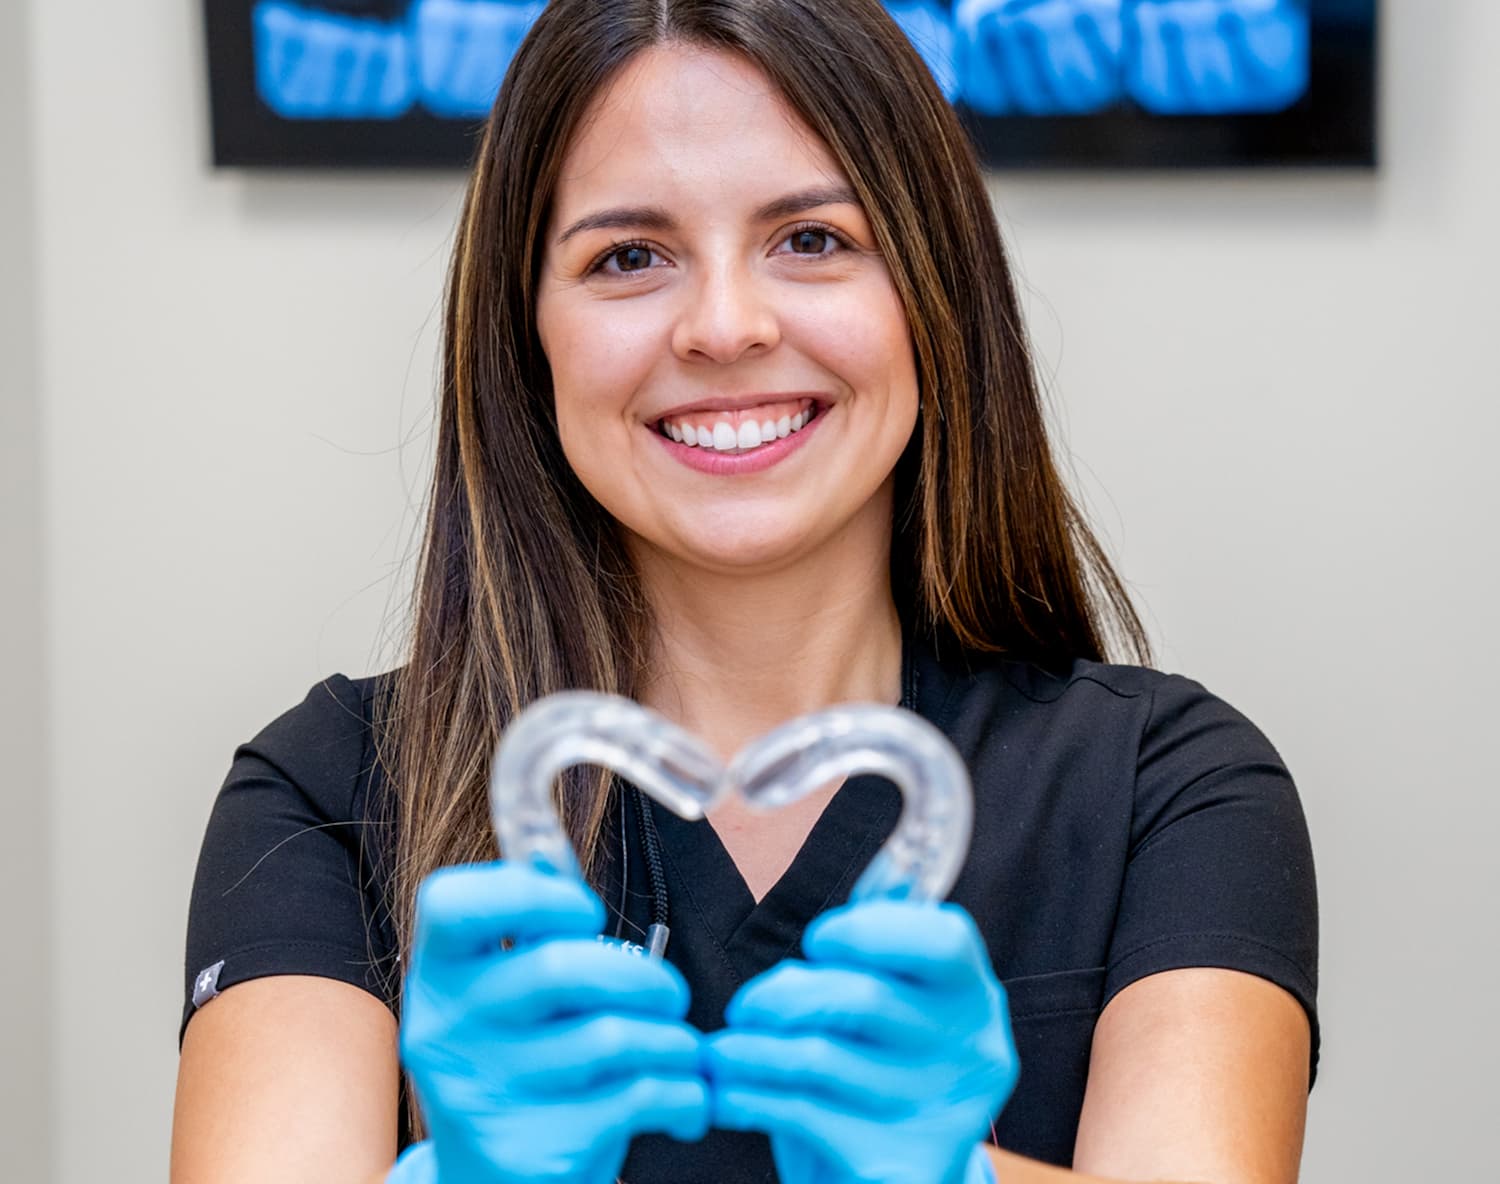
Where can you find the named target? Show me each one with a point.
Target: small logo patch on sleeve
(206, 985)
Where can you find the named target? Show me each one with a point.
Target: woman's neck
(733, 656)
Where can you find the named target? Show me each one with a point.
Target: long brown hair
(524, 587)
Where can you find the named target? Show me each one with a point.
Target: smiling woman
(738, 419)
(749, 290)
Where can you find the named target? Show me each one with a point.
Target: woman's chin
(731, 553)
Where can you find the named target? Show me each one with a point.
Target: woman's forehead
(685, 124)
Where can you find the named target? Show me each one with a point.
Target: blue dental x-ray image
(1207, 57)
(1172, 57)
(928, 25)
(1037, 82)
(363, 61)
(996, 57)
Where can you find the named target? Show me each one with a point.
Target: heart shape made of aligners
(920, 860)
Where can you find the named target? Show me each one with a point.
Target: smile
(737, 432)
(732, 443)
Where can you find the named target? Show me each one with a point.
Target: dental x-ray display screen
(1134, 83)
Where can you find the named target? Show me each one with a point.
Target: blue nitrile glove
(541, 1061)
(417, 1165)
(1212, 57)
(885, 1056)
(1038, 57)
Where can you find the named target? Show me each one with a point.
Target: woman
(738, 420)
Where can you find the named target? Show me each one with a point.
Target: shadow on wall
(381, 59)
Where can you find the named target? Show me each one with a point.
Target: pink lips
(728, 464)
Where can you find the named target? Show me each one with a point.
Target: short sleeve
(1220, 869)
(284, 882)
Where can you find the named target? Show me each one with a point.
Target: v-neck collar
(749, 935)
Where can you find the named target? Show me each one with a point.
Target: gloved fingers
(817, 1067)
(584, 1055)
(926, 944)
(778, 1114)
(562, 978)
(465, 912)
(416, 1165)
(837, 1000)
(675, 1106)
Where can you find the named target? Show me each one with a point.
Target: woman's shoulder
(969, 673)
(1141, 709)
(289, 877)
(326, 743)
(335, 705)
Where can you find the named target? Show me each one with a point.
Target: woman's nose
(726, 316)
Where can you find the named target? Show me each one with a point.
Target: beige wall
(237, 379)
(1278, 391)
(26, 1067)
(1283, 402)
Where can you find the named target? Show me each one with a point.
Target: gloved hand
(884, 1056)
(541, 1061)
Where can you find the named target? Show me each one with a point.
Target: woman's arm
(1017, 1169)
(1196, 1075)
(289, 1078)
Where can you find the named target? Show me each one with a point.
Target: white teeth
(724, 437)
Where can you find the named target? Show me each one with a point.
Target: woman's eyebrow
(656, 218)
(621, 218)
(806, 199)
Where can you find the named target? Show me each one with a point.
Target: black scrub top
(1126, 822)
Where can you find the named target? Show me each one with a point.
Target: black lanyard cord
(651, 844)
(624, 866)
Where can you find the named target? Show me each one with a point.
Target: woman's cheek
(862, 337)
(604, 359)
(591, 332)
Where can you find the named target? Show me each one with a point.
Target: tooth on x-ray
(1039, 57)
(464, 48)
(927, 26)
(319, 65)
(1214, 57)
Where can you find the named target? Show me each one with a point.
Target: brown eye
(809, 242)
(632, 258)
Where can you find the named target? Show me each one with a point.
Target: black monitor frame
(1333, 125)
